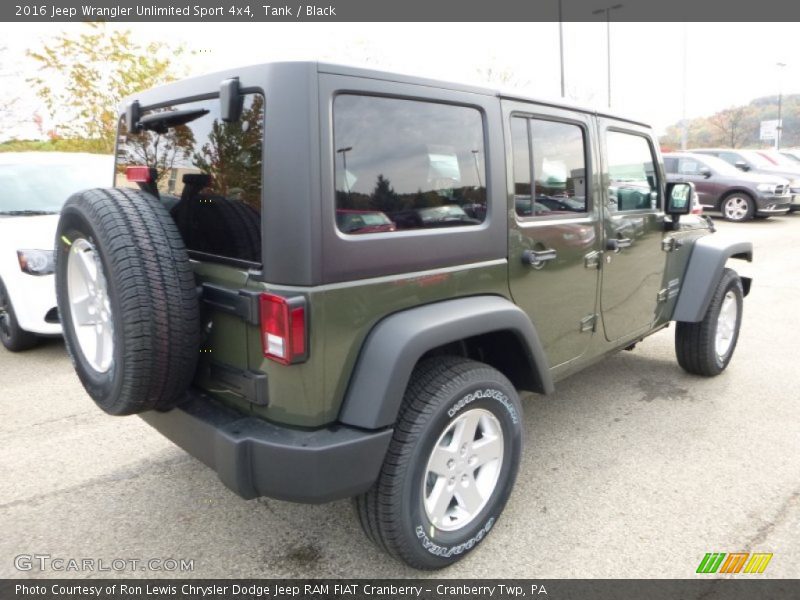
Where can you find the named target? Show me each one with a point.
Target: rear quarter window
(407, 164)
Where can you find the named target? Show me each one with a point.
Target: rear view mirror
(740, 164)
(679, 198)
(705, 172)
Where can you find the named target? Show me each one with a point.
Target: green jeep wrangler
(327, 282)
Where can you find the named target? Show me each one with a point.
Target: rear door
(633, 226)
(554, 227)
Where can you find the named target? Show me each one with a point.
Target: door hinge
(592, 260)
(588, 323)
(671, 243)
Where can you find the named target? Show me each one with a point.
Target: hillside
(738, 127)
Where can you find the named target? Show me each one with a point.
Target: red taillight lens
(283, 328)
(138, 174)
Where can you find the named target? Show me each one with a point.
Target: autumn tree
(232, 154)
(729, 124)
(83, 78)
(7, 101)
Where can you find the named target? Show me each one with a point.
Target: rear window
(407, 164)
(207, 172)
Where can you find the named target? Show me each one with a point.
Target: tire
(737, 207)
(445, 396)
(13, 337)
(696, 344)
(127, 299)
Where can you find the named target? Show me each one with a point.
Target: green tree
(232, 155)
(383, 197)
(83, 78)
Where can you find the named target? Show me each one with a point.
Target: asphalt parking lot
(632, 469)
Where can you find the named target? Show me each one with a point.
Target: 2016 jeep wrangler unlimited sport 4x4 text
(326, 282)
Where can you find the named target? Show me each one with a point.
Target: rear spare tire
(127, 299)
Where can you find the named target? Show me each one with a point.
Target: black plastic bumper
(256, 458)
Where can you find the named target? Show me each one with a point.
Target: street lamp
(561, 46)
(780, 65)
(607, 10)
(477, 168)
(343, 152)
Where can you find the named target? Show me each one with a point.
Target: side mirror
(679, 198)
(740, 164)
(705, 172)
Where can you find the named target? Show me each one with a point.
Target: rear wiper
(28, 213)
(164, 121)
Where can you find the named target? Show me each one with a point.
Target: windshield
(779, 159)
(720, 166)
(43, 188)
(442, 213)
(758, 161)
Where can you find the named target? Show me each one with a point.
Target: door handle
(537, 259)
(617, 244)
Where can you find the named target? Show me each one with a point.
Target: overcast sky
(726, 63)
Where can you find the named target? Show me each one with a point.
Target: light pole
(561, 46)
(343, 152)
(780, 65)
(607, 10)
(477, 168)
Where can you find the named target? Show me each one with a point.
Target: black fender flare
(396, 343)
(703, 274)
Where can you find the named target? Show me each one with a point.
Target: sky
(726, 64)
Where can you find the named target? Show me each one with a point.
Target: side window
(632, 177)
(555, 153)
(730, 157)
(207, 172)
(559, 166)
(521, 155)
(688, 166)
(407, 164)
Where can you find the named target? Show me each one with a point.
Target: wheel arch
(492, 325)
(704, 272)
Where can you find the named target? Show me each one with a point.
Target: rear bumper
(256, 458)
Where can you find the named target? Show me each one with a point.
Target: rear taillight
(697, 209)
(283, 328)
(138, 174)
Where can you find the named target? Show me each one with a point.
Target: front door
(633, 261)
(554, 225)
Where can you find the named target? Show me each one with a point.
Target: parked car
(382, 367)
(35, 185)
(363, 221)
(793, 154)
(751, 161)
(737, 194)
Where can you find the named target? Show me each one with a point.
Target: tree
(729, 123)
(83, 78)
(7, 101)
(232, 155)
(383, 197)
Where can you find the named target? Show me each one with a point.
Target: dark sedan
(754, 162)
(739, 195)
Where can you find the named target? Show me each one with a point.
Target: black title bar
(407, 10)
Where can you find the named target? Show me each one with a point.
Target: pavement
(631, 469)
